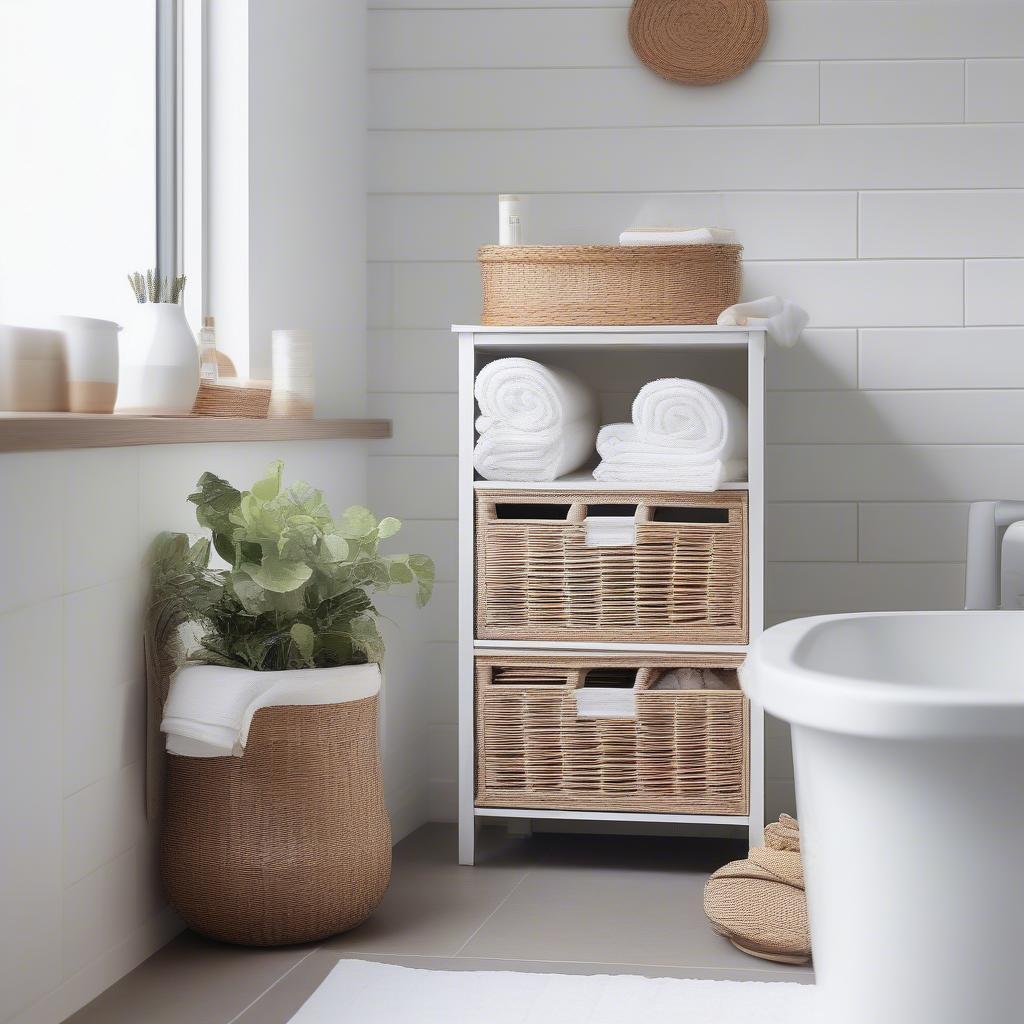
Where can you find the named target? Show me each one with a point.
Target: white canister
(33, 377)
(158, 369)
(90, 350)
(510, 220)
(291, 392)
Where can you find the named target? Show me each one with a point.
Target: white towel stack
(536, 422)
(678, 236)
(683, 434)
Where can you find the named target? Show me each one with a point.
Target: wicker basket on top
(539, 285)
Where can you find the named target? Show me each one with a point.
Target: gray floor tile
(433, 905)
(608, 915)
(191, 980)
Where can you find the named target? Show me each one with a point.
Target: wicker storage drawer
(683, 580)
(532, 285)
(684, 752)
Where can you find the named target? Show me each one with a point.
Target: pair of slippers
(759, 903)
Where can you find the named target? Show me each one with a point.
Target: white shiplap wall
(873, 162)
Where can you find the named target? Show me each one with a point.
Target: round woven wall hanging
(698, 41)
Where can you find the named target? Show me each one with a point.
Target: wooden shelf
(36, 431)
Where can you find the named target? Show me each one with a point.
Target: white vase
(90, 349)
(159, 362)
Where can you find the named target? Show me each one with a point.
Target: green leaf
(333, 548)
(215, 500)
(357, 522)
(399, 569)
(304, 639)
(366, 638)
(423, 570)
(388, 527)
(277, 574)
(225, 547)
(270, 485)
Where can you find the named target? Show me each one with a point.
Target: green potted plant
(274, 823)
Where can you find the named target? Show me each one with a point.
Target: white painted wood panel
(422, 424)
(995, 90)
(770, 93)
(822, 360)
(666, 159)
(895, 472)
(913, 532)
(865, 293)
(414, 487)
(941, 224)
(411, 360)
(770, 225)
(971, 357)
(811, 532)
(994, 292)
(896, 417)
(859, 586)
(892, 92)
(595, 36)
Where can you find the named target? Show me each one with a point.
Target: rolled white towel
(528, 395)
(536, 423)
(783, 321)
(683, 433)
(681, 236)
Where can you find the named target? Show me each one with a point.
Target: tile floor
(562, 903)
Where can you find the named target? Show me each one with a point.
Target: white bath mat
(359, 992)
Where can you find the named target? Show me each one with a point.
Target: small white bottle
(208, 369)
(510, 224)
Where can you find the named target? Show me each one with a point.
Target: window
(79, 175)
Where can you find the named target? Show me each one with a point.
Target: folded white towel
(605, 702)
(678, 236)
(692, 679)
(209, 709)
(784, 321)
(536, 422)
(683, 433)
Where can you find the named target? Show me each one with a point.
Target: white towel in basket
(536, 422)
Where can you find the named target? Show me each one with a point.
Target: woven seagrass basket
(593, 285)
(288, 843)
(685, 752)
(246, 398)
(684, 580)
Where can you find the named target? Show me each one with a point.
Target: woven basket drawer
(684, 580)
(685, 752)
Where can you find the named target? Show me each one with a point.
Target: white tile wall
(79, 887)
(892, 92)
(871, 162)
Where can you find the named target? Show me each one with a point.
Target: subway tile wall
(871, 163)
(79, 889)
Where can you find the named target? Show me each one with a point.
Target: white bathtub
(908, 742)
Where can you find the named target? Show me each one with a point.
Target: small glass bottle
(208, 369)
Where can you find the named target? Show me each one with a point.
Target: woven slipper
(759, 904)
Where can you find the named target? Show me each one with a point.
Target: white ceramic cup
(90, 351)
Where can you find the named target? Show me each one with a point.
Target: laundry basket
(679, 752)
(682, 579)
(534, 285)
(289, 842)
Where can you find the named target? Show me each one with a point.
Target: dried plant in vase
(151, 287)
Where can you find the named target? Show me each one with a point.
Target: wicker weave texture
(699, 42)
(608, 284)
(245, 398)
(288, 843)
(686, 752)
(682, 582)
